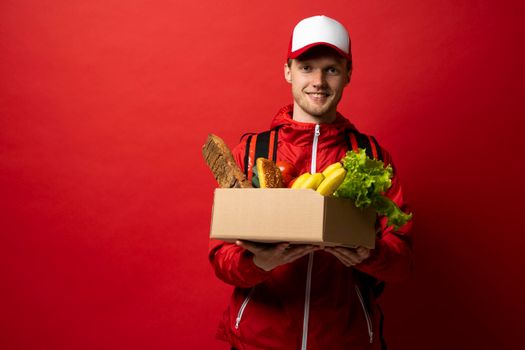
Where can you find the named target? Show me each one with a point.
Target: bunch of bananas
(324, 183)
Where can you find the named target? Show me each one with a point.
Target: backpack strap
(357, 140)
(260, 145)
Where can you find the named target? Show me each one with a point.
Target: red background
(105, 199)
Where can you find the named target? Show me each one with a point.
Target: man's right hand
(268, 257)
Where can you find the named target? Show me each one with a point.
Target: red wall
(105, 199)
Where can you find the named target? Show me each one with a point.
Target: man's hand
(349, 256)
(268, 257)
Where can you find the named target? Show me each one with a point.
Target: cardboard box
(290, 215)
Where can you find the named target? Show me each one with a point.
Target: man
(300, 296)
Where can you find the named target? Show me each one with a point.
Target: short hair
(319, 51)
(349, 65)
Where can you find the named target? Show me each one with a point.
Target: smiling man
(318, 78)
(300, 296)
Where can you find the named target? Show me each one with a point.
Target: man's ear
(287, 73)
(348, 77)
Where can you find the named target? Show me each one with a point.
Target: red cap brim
(302, 50)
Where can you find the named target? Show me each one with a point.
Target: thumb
(282, 246)
(248, 246)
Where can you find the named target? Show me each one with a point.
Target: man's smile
(318, 97)
(318, 94)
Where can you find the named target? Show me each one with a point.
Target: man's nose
(318, 79)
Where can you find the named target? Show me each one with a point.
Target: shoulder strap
(259, 145)
(357, 140)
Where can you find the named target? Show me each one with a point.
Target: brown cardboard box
(290, 215)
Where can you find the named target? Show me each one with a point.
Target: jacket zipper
(317, 132)
(241, 309)
(306, 317)
(307, 301)
(367, 316)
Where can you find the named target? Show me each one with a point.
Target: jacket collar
(301, 134)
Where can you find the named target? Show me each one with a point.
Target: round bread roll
(269, 174)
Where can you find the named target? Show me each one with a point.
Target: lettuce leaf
(386, 207)
(366, 182)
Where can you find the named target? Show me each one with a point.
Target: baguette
(222, 164)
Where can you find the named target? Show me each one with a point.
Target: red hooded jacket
(315, 302)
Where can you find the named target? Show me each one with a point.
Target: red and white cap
(319, 30)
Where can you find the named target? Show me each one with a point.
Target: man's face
(318, 81)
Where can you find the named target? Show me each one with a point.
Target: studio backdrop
(105, 199)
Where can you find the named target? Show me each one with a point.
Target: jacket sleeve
(231, 263)
(392, 259)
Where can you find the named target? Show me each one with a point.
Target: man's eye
(332, 70)
(306, 68)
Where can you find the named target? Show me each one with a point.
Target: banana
(313, 181)
(331, 168)
(332, 182)
(300, 180)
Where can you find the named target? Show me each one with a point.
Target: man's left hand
(349, 256)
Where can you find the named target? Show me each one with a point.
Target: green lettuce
(366, 182)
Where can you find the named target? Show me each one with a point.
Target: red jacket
(276, 309)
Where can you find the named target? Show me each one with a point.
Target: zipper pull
(317, 130)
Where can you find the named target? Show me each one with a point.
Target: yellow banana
(332, 182)
(313, 181)
(300, 180)
(331, 168)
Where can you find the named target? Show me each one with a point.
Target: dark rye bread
(220, 160)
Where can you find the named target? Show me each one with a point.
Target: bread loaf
(222, 164)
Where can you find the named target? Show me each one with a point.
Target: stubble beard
(324, 111)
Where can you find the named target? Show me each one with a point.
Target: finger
(281, 247)
(298, 252)
(301, 249)
(250, 246)
(343, 258)
(346, 256)
(255, 247)
(363, 252)
(350, 253)
(340, 257)
(345, 250)
(293, 252)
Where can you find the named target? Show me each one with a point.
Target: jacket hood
(301, 133)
